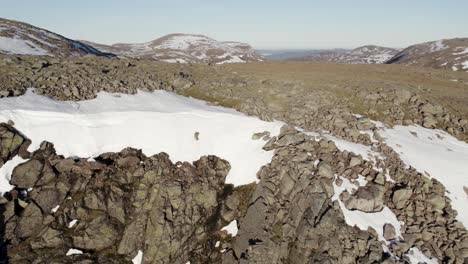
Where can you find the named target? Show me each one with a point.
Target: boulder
(26, 174)
(325, 170)
(367, 199)
(389, 232)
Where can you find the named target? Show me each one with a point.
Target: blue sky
(262, 23)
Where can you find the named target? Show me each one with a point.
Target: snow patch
(438, 46)
(73, 251)
(365, 151)
(154, 122)
(415, 256)
(465, 51)
(231, 228)
(72, 223)
(365, 220)
(138, 258)
(20, 46)
(55, 209)
(465, 65)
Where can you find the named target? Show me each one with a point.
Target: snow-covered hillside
(451, 54)
(369, 54)
(21, 38)
(185, 48)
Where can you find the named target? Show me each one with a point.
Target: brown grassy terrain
(345, 79)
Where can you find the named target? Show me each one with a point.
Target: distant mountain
(449, 54)
(21, 38)
(292, 54)
(185, 48)
(369, 54)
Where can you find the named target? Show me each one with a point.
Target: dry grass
(345, 80)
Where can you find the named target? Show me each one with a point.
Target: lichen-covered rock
(12, 143)
(123, 203)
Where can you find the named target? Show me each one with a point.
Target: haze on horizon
(274, 24)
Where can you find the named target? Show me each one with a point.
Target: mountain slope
(449, 54)
(185, 48)
(21, 38)
(369, 54)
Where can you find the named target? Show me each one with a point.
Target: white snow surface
(438, 46)
(138, 258)
(154, 122)
(465, 65)
(5, 173)
(365, 220)
(55, 209)
(72, 223)
(437, 153)
(464, 51)
(73, 251)
(415, 256)
(231, 228)
(365, 151)
(20, 46)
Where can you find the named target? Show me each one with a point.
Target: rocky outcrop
(421, 204)
(401, 107)
(122, 203)
(112, 207)
(291, 217)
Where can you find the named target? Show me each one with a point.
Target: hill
(451, 54)
(185, 48)
(21, 38)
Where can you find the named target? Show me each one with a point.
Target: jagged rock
(124, 202)
(437, 202)
(290, 139)
(257, 136)
(26, 175)
(291, 215)
(401, 196)
(325, 170)
(355, 161)
(12, 143)
(367, 199)
(429, 122)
